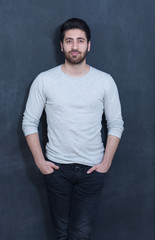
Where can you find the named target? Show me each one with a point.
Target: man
(74, 96)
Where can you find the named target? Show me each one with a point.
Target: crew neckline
(71, 77)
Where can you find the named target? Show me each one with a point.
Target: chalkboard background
(123, 44)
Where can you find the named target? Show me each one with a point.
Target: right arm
(46, 167)
(34, 107)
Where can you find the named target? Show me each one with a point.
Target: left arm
(115, 123)
(111, 147)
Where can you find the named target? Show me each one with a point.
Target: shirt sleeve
(34, 107)
(112, 108)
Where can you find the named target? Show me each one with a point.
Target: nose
(74, 45)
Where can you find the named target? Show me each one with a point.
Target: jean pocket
(48, 174)
(100, 173)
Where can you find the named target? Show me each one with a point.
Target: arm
(115, 128)
(111, 147)
(33, 142)
(34, 107)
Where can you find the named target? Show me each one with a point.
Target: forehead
(75, 33)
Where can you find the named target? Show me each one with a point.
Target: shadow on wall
(56, 42)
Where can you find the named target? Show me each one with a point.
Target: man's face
(75, 46)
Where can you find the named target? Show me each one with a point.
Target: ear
(61, 44)
(89, 44)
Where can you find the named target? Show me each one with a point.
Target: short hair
(75, 23)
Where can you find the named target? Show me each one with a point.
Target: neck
(75, 70)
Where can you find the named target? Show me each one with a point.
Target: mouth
(74, 53)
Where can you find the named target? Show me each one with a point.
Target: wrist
(40, 162)
(106, 164)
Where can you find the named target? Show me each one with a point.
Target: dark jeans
(73, 198)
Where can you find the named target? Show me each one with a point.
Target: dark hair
(74, 23)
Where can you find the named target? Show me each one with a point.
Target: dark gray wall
(123, 45)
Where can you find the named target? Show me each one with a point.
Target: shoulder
(45, 77)
(50, 72)
(102, 77)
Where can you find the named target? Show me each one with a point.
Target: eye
(81, 41)
(68, 41)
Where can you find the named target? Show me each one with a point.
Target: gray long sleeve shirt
(74, 107)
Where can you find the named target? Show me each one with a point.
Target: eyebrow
(79, 38)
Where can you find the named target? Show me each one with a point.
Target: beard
(75, 59)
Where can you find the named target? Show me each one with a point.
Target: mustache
(75, 51)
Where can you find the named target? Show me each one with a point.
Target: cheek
(66, 48)
(84, 49)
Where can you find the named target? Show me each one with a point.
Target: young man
(74, 96)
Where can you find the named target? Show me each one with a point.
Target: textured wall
(123, 45)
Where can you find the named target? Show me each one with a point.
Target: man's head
(75, 23)
(75, 40)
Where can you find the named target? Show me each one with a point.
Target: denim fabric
(73, 198)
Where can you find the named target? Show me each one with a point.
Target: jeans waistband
(74, 165)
